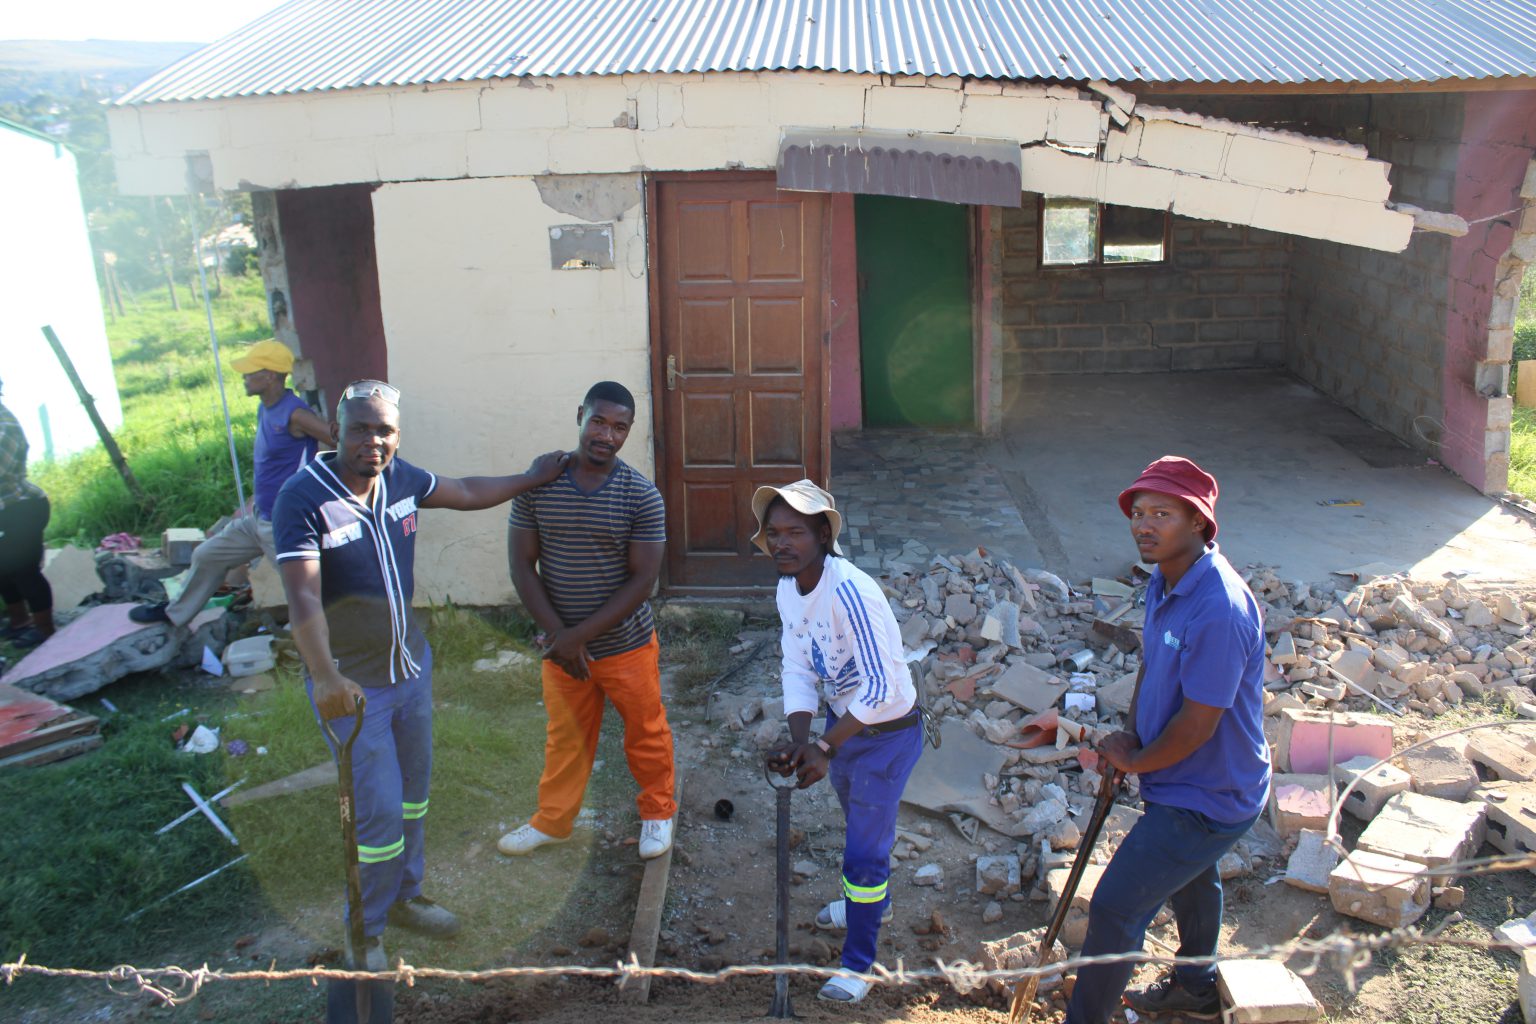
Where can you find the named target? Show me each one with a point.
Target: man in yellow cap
(288, 433)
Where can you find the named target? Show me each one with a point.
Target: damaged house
(779, 220)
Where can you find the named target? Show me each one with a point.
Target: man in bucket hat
(1196, 740)
(839, 637)
(288, 433)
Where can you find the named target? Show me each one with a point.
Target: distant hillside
(90, 56)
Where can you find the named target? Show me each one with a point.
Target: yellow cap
(265, 355)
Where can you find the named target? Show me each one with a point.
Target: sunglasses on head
(372, 389)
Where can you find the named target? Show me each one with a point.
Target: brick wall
(1368, 327)
(1219, 302)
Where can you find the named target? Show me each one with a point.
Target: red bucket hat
(1180, 478)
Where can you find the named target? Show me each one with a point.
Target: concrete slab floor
(1044, 492)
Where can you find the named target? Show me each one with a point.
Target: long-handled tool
(1024, 991)
(782, 787)
(354, 1002)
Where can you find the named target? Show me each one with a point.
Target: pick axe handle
(1024, 991)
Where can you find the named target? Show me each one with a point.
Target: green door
(915, 312)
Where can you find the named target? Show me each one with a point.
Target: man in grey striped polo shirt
(585, 551)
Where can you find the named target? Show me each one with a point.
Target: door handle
(673, 374)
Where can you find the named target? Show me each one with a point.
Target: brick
(265, 122)
(509, 105)
(1269, 163)
(1312, 861)
(1051, 172)
(505, 154)
(1382, 890)
(924, 110)
(1503, 757)
(725, 101)
(1076, 123)
(1304, 738)
(1426, 830)
(1149, 188)
(595, 101)
(1343, 176)
(1182, 147)
(423, 111)
(1512, 818)
(1264, 992)
(1374, 789)
(1215, 200)
(1348, 220)
(1298, 802)
(1026, 119)
(1440, 769)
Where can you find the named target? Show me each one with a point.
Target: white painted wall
(50, 278)
(494, 350)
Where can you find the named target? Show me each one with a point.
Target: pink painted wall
(847, 412)
(1498, 141)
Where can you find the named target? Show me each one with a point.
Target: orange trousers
(632, 681)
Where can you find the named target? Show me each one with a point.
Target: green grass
(81, 852)
(173, 425)
(1522, 453)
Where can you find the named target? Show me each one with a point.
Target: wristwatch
(826, 748)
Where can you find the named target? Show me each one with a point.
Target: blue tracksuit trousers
(391, 775)
(868, 774)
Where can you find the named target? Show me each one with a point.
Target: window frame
(1098, 260)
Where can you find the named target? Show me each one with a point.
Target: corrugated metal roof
(311, 45)
(948, 168)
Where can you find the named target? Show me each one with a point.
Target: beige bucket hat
(802, 496)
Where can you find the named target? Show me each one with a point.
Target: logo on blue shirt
(1172, 641)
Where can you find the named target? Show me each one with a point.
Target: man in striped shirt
(585, 551)
(345, 526)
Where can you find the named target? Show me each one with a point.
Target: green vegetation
(1522, 432)
(89, 856)
(173, 426)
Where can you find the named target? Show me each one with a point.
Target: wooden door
(737, 323)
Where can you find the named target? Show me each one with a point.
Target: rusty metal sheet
(948, 168)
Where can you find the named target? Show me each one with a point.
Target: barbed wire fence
(1344, 951)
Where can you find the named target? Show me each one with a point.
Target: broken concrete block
(1410, 613)
(1299, 802)
(1426, 830)
(929, 875)
(99, 647)
(1527, 985)
(1303, 742)
(914, 631)
(961, 608)
(1476, 615)
(71, 572)
(266, 586)
(1374, 788)
(1284, 652)
(1115, 698)
(1264, 992)
(1353, 664)
(1075, 928)
(1027, 686)
(1312, 861)
(1501, 756)
(1512, 819)
(997, 875)
(178, 543)
(1440, 769)
(1380, 889)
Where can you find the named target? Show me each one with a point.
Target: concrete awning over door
(921, 165)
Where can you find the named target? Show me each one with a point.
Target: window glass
(1132, 235)
(1070, 232)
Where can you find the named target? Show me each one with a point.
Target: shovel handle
(344, 749)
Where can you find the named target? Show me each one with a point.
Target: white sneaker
(525, 840)
(655, 838)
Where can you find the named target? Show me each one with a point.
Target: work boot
(419, 914)
(149, 613)
(373, 953)
(1168, 995)
(525, 840)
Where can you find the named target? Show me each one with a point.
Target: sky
(193, 21)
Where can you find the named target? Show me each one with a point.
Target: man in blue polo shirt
(1197, 743)
(345, 527)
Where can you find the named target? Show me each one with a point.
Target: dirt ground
(720, 911)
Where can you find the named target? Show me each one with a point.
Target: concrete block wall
(1219, 302)
(1368, 328)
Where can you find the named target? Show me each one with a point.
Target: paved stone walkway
(911, 494)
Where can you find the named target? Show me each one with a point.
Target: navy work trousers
(1169, 856)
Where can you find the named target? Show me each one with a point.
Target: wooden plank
(56, 752)
(648, 906)
(76, 726)
(319, 775)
